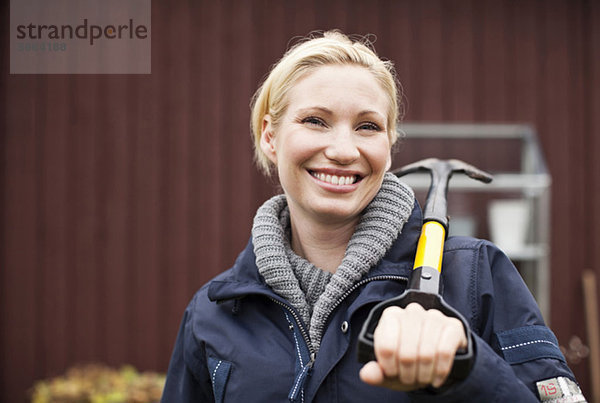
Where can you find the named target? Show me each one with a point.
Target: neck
(324, 245)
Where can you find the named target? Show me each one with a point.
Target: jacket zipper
(337, 303)
(303, 331)
(363, 282)
(297, 391)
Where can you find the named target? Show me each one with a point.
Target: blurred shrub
(96, 383)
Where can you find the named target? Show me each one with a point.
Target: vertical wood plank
(149, 196)
(175, 131)
(334, 14)
(115, 217)
(236, 162)
(207, 234)
(83, 220)
(298, 19)
(364, 19)
(592, 11)
(525, 63)
(279, 26)
(21, 249)
(493, 67)
(579, 166)
(553, 93)
(4, 302)
(426, 101)
(397, 44)
(592, 141)
(457, 57)
(54, 295)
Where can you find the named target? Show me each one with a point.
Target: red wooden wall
(123, 194)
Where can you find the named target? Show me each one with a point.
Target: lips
(335, 179)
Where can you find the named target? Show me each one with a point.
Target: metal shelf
(531, 183)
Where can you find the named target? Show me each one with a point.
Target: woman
(282, 324)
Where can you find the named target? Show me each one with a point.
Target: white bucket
(509, 223)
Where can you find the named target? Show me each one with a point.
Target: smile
(335, 179)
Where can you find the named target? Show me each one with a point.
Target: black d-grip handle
(463, 360)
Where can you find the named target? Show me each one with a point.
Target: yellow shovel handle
(431, 246)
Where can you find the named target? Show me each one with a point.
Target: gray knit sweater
(310, 290)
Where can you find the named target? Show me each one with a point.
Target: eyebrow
(315, 108)
(329, 112)
(369, 112)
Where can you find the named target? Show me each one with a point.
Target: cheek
(295, 150)
(378, 155)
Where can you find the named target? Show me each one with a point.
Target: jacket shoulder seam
(475, 244)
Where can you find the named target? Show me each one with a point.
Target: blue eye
(369, 126)
(312, 120)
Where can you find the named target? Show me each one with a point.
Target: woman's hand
(414, 348)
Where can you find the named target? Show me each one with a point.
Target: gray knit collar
(312, 292)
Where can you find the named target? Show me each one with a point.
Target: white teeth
(334, 179)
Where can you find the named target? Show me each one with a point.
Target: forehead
(347, 86)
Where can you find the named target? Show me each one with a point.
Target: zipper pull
(297, 392)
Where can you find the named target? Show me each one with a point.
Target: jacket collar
(244, 279)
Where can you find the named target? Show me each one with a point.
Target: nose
(342, 147)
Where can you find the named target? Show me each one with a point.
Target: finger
(428, 347)
(410, 333)
(372, 373)
(385, 341)
(452, 338)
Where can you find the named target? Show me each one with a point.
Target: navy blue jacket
(241, 342)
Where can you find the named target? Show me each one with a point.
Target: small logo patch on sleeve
(559, 390)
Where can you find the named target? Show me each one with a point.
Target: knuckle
(445, 355)
(390, 312)
(408, 360)
(454, 322)
(435, 314)
(426, 357)
(379, 332)
(414, 307)
(384, 351)
(441, 371)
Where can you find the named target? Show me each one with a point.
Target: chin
(337, 211)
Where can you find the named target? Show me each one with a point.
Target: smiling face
(331, 147)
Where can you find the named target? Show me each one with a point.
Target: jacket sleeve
(516, 355)
(187, 378)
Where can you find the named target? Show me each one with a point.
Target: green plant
(97, 383)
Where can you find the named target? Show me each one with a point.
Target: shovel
(424, 283)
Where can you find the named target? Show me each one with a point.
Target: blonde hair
(333, 47)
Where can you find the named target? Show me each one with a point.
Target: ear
(267, 139)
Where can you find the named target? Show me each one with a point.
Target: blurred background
(122, 194)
